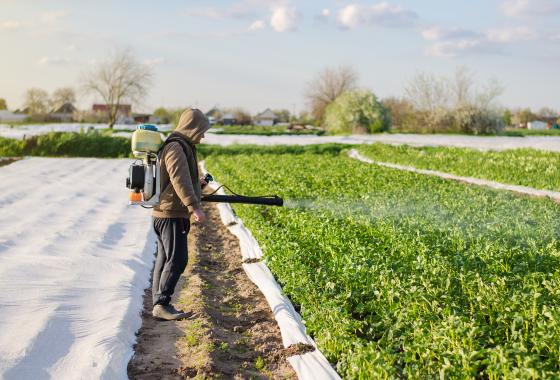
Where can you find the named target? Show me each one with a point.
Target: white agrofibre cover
(310, 366)
(74, 262)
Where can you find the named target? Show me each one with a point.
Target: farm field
(525, 167)
(403, 275)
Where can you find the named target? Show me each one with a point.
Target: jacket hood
(192, 124)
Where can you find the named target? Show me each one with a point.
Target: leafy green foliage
(356, 111)
(66, 144)
(526, 167)
(400, 275)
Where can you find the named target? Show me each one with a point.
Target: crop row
(401, 275)
(526, 167)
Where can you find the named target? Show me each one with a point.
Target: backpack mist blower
(144, 174)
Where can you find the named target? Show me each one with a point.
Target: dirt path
(232, 333)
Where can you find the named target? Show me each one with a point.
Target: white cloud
(10, 25)
(53, 18)
(284, 19)
(437, 33)
(54, 61)
(517, 8)
(507, 35)
(383, 14)
(448, 49)
(256, 25)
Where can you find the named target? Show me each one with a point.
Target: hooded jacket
(180, 184)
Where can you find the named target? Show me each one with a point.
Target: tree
(507, 117)
(548, 113)
(522, 116)
(461, 86)
(327, 86)
(36, 101)
(62, 96)
(356, 111)
(120, 78)
(401, 112)
(282, 115)
(3, 104)
(241, 116)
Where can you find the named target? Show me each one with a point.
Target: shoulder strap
(176, 138)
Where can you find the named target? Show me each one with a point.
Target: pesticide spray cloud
(426, 215)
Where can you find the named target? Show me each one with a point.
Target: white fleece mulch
(74, 262)
(554, 195)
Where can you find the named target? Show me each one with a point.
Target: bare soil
(231, 332)
(7, 160)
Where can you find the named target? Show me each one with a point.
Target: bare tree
(486, 98)
(121, 78)
(62, 96)
(36, 100)
(427, 92)
(327, 86)
(461, 86)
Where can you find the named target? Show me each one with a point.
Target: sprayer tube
(268, 201)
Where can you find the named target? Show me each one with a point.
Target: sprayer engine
(143, 175)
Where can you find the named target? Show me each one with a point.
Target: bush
(473, 120)
(65, 144)
(356, 111)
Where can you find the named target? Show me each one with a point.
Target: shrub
(474, 120)
(356, 111)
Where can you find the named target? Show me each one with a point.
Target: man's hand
(203, 182)
(199, 215)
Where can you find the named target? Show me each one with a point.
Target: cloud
(256, 25)
(452, 42)
(449, 49)
(437, 33)
(382, 14)
(10, 25)
(53, 18)
(508, 35)
(284, 19)
(516, 8)
(53, 61)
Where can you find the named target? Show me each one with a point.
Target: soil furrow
(231, 333)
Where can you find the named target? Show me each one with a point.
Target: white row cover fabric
(309, 366)
(554, 195)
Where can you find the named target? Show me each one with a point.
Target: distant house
(537, 125)
(267, 118)
(64, 113)
(228, 119)
(141, 117)
(10, 117)
(124, 110)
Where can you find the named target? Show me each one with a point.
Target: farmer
(180, 198)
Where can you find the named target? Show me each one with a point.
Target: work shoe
(168, 313)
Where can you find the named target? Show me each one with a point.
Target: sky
(257, 54)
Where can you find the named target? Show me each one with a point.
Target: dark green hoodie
(180, 185)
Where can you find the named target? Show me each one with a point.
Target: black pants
(171, 258)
